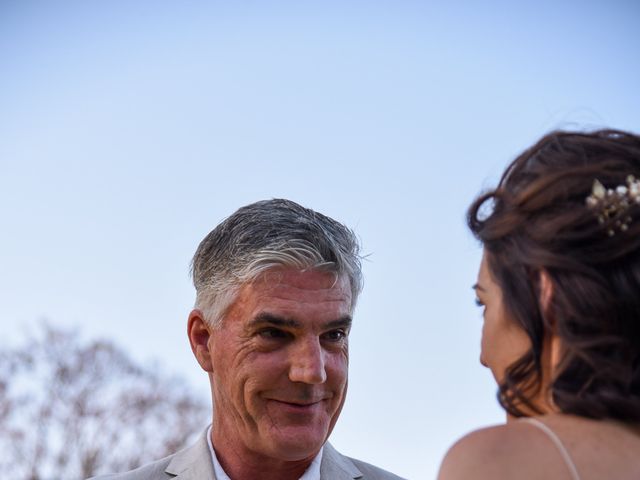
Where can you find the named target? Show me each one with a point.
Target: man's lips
(307, 410)
(298, 405)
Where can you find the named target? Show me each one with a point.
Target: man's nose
(308, 362)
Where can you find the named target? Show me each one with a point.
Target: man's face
(279, 364)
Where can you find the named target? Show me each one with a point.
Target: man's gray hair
(265, 235)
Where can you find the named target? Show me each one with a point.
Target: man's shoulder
(150, 471)
(337, 464)
(192, 462)
(371, 472)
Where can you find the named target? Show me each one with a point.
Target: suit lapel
(193, 463)
(337, 467)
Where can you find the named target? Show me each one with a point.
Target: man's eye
(272, 334)
(335, 335)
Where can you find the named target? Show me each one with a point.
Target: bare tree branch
(70, 410)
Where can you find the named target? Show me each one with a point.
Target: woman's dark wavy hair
(538, 222)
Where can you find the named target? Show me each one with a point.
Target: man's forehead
(305, 280)
(294, 295)
(292, 288)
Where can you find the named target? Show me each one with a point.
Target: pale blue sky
(129, 129)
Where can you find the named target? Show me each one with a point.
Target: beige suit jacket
(194, 463)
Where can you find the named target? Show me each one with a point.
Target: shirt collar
(311, 473)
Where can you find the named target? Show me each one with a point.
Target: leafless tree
(71, 409)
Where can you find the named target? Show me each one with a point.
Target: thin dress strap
(556, 441)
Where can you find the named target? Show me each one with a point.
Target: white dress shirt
(311, 473)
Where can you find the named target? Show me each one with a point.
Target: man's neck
(242, 464)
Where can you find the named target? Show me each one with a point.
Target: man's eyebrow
(270, 319)
(344, 322)
(278, 321)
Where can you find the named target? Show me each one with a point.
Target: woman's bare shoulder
(512, 450)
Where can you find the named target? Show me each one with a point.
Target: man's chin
(294, 444)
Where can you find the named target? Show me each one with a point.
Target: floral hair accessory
(611, 205)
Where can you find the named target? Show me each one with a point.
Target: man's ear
(199, 333)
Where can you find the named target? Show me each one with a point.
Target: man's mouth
(298, 405)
